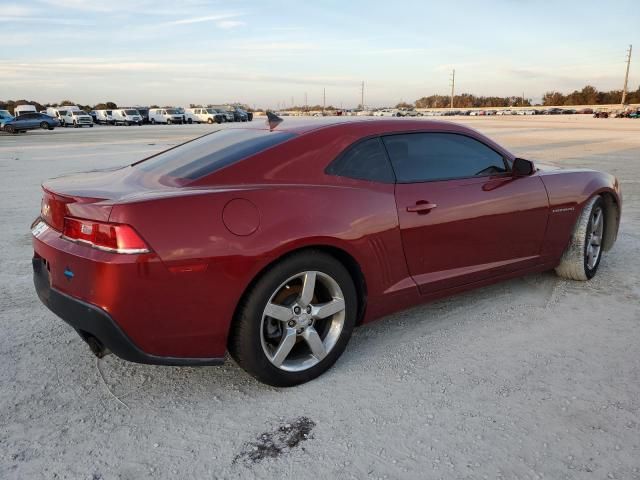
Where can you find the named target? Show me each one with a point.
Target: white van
(104, 117)
(203, 115)
(20, 109)
(77, 118)
(126, 116)
(164, 115)
(61, 112)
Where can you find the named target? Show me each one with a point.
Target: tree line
(588, 95)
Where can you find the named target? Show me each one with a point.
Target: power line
(626, 75)
(453, 85)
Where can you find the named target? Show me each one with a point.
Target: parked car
(568, 111)
(22, 109)
(553, 111)
(203, 115)
(588, 111)
(278, 289)
(238, 114)
(5, 117)
(249, 116)
(94, 116)
(601, 114)
(30, 121)
(77, 119)
(181, 111)
(104, 117)
(634, 113)
(126, 116)
(227, 115)
(165, 115)
(144, 113)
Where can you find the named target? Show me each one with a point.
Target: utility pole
(626, 76)
(362, 96)
(523, 99)
(306, 107)
(324, 99)
(453, 85)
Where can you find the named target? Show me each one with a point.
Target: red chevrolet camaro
(274, 243)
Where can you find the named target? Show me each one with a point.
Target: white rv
(20, 109)
(126, 116)
(165, 115)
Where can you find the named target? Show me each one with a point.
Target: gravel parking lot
(536, 377)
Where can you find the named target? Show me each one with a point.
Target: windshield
(171, 111)
(212, 110)
(207, 154)
(131, 112)
(79, 112)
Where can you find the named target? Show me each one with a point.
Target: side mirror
(522, 167)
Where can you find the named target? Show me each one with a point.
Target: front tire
(44, 126)
(296, 320)
(582, 257)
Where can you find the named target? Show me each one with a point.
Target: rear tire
(257, 338)
(582, 257)
(44, 126)
(153, 121)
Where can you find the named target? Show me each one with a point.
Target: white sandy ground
(532, 378)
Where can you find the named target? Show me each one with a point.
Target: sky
(273, 53)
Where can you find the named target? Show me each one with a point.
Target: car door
(463, 216)
(29, 120)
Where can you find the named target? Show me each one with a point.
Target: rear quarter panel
(189, 229)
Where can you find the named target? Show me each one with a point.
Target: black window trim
(506, 162)
(380, 137)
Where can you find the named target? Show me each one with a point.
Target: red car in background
(274, 243)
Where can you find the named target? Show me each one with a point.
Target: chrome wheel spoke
(285, 346)
(308, 288)
(284, 314)
(314, 341)
(289, 337)
(327, 309)
(595, 240)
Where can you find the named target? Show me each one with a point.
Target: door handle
(421, 207)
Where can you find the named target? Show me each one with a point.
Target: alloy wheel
(302, 321)
(594, 238)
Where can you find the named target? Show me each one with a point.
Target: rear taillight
(110, 237)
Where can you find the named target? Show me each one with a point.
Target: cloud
(229, 24)
(206, 18)
(47, 20)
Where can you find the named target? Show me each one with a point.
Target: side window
(422, 157)
(365, 160)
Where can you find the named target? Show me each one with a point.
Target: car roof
(370, 126)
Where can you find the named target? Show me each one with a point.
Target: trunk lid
(90, 195)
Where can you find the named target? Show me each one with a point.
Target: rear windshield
(209, 153)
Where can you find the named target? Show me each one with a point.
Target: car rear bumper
(96, 327)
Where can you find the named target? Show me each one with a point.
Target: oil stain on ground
(278, 442)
